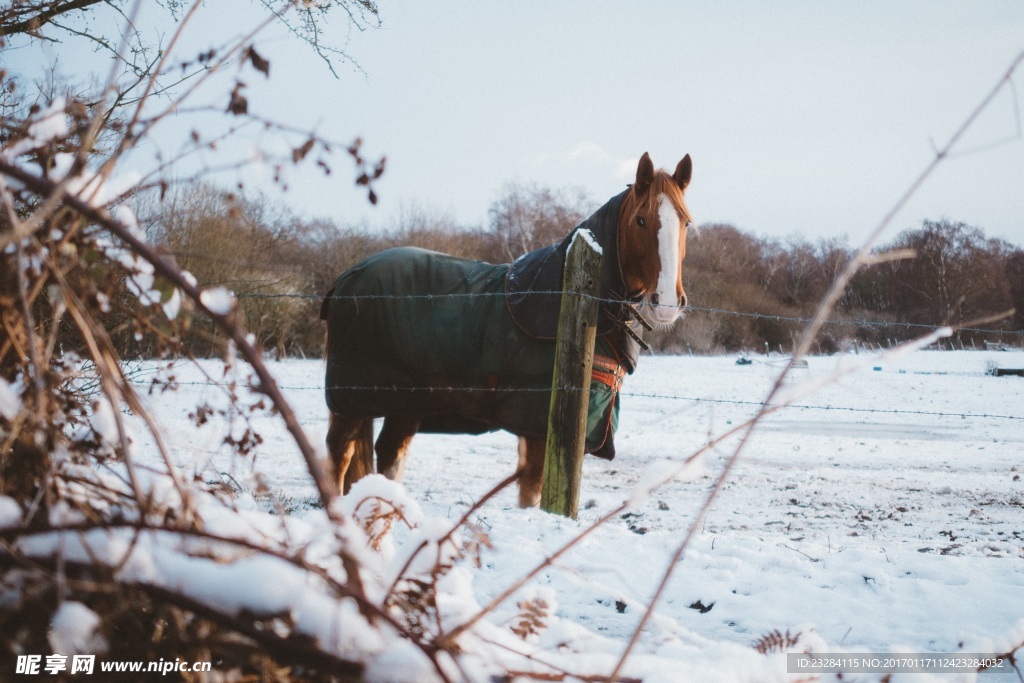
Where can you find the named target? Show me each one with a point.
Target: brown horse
(482, 349)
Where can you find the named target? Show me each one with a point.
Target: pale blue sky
(801, 117)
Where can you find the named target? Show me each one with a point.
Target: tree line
(746, 292)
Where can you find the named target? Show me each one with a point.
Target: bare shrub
(82, 519)
(160, 566)
(252, 247)
(528, 217)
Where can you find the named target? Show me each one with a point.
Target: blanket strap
(608, 371)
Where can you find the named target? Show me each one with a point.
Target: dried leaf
(776, 641)
(299, 153)
(238, 104)
(376, 520)
(353, 149)
(532, 619)
(378, 170)
(258, 62)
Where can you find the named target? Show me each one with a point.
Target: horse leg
(531, 470)
(350, 445)
(393, 444)
(362, 458)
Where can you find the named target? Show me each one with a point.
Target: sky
(802, 118)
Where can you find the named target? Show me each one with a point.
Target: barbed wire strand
(627, 394)
(694, 309)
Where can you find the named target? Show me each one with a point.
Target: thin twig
(803, 346)
(226, 321)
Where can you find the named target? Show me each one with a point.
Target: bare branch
(803, 347)
(30, 17)
(226, 322)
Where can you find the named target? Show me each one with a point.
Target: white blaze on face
(667, 309)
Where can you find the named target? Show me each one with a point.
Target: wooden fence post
(570, 384)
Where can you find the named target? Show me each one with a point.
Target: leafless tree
(527, 217)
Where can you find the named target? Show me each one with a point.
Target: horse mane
(663, 184)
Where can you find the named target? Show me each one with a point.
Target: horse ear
(683, 171)
(644, 174)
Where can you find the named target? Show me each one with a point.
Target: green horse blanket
(415, 332)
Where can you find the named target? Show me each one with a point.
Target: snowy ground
(862, 528)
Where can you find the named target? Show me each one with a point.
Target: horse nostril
(682, 301)
(655, 298)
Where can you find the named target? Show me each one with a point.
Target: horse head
(652, 239)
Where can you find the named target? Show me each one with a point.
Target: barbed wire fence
(628, 394)
(681, 398)
(924, 327)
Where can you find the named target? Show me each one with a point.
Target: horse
(435, 343)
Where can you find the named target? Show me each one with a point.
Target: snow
(91, 187)
(47, 125)
(660, 472)
(10, 401)
(587, 237)
(142, 279)
(218, 300)
(98, 190)
(377, 504)
(10, 513)
(75, 629)
(401, 662)
(881, 513)
(104, 423)
(173, 305)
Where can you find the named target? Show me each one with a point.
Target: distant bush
(746, 292)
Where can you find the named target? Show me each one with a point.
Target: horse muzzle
(661, 313)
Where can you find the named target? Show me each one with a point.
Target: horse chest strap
(608, 372)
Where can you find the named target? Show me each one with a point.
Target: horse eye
(640, 221)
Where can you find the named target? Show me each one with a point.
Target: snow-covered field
(884, 514)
